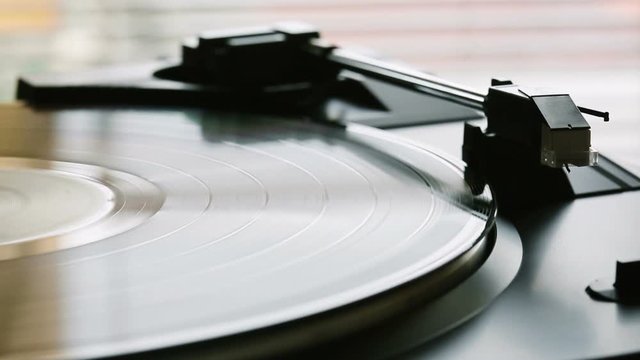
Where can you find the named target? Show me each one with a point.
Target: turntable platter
(159, 228)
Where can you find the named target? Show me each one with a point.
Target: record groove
(261, 221)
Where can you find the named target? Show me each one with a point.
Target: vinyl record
(129, 230)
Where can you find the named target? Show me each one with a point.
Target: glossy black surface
(263, 220)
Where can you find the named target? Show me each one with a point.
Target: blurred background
(589, 47)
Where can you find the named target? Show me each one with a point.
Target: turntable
(256, 198)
